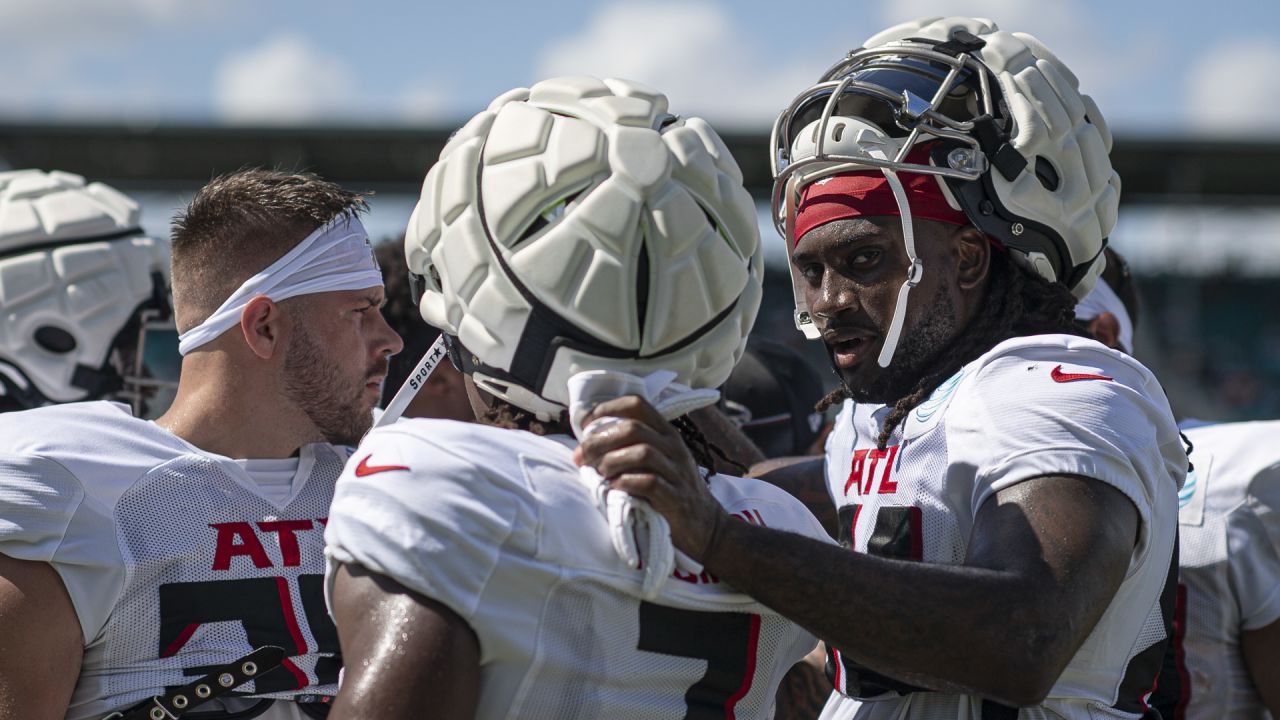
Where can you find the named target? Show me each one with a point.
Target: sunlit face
(852, 271)
(336, 360)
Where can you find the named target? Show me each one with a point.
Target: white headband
(1102, 299)
(337, 256)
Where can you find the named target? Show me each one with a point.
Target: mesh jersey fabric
(496, 525)
(1029, 407)
(1229, 526)
(173, 558)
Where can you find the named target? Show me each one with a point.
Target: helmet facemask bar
(918, 118)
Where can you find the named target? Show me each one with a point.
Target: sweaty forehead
(850, 230)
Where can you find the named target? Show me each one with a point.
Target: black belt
(175, 703)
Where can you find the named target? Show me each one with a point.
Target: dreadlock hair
(1017, 303)
(503, 414)
(704, 451)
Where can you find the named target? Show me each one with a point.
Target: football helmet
(1011, 141)
(81, 287)
(577, 225)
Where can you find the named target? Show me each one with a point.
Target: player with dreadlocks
(1016, 304)
(1011, 497)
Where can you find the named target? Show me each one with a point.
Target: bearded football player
(575, 242)
(1009, 514)
(148, 569)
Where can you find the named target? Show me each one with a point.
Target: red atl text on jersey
(240, 538)
(863, 475)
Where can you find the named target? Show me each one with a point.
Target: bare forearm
(969, 633)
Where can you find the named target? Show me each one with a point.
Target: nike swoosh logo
(364, 468)
(1059, 376)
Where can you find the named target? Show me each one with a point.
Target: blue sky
(1164, 68)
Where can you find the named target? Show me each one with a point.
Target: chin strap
(915, 271)
(412, 384)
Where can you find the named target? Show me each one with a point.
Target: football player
(1109, 313)
(84, 294)
(151, 568)
(573, 236)
(1226, 662)
(945, 194)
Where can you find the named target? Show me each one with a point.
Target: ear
(261, 323)
(973, 257)
(1106, 329)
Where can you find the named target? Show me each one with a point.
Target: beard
(917, 351)
(337, 406)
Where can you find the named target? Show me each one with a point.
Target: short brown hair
(239, 224)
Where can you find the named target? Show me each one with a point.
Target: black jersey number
(898, 532)
(727, 641)
(264, 607)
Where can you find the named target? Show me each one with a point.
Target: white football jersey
(174, 559)
(1032, 406)
(1229, 527)
(496, 525)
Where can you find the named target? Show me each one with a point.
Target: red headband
(866, 193)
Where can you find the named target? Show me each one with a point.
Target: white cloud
(45, 22)
(1234, 89)
(691, 51)
(59, 47)
(284, 80)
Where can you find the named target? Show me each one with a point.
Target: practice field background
(156, 96)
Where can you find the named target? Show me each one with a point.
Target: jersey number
(897, 533)
(264, 608)
(727, 641)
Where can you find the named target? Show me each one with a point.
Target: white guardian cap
(993, 116)
(577, 225)
(79, 285)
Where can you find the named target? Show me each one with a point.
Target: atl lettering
(863, 475)
(237, 539)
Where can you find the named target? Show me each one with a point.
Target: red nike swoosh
(364, 468)
(1059, 376)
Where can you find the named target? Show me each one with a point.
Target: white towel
(633, 523)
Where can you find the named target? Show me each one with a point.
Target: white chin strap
(337, 256)
(915, 270)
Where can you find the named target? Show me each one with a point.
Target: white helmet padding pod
(75, 269)
(576, 225)
(1014, 144)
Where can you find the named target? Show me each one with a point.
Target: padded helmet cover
(576, 225)
(1057, 202)
(74, 269)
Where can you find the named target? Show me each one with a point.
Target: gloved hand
(633, 524)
